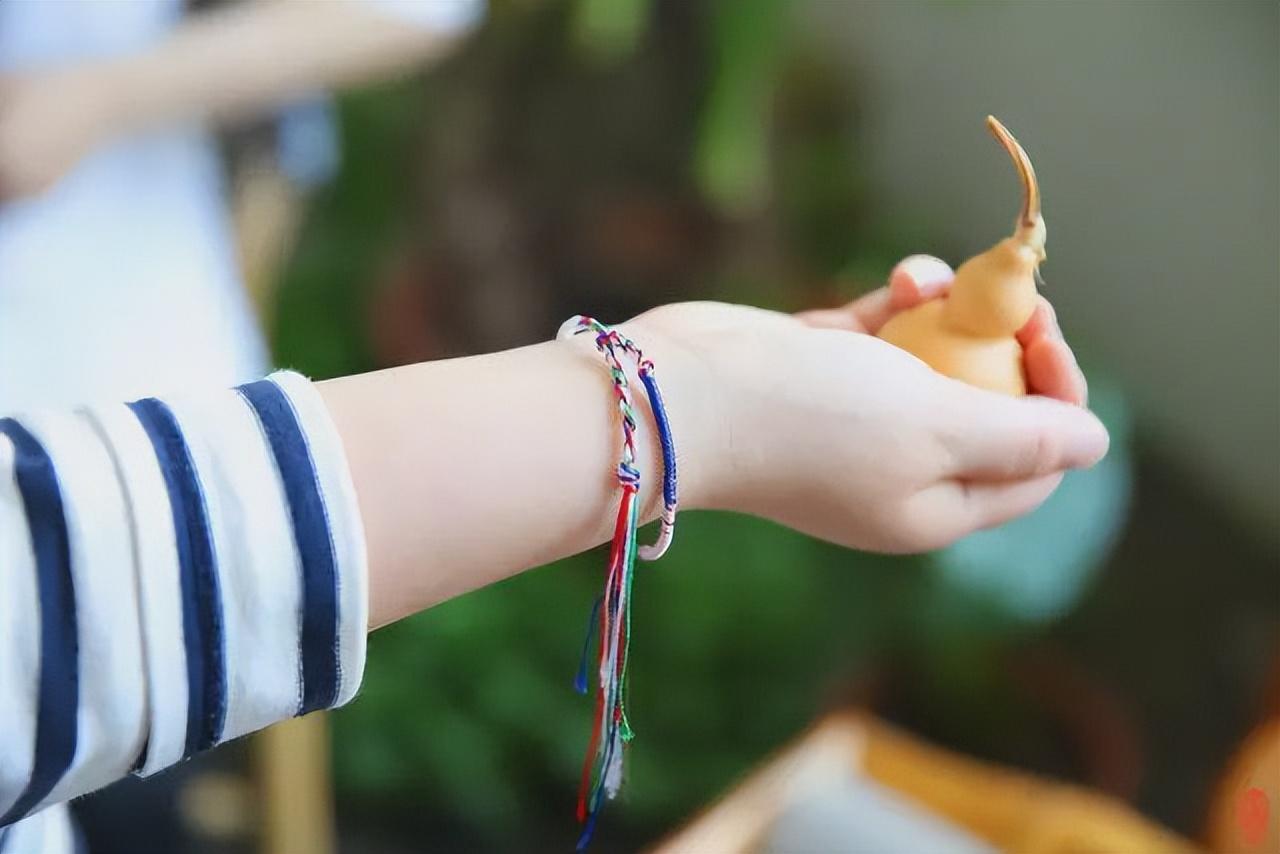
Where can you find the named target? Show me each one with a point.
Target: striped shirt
(174, 574)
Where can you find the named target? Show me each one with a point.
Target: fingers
(1043, 323)
(987, 505)
(915, 280)
(952, 509)
(1052, 371)
(836, 318)
(1051, 367)
(996, 438)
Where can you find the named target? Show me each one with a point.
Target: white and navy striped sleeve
(173, 574)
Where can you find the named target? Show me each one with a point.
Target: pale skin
(471, 470)
(228, 63)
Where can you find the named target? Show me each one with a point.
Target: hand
(1050, 365)
(48, 122)
(850, 439)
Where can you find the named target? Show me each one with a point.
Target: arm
(253, 56)
(224, 64)
(178, 573)
(514, 471)
(835, 434)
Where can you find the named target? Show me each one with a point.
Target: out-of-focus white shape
(859, 816)
(448, 16)
(34, 34)
(122, 279)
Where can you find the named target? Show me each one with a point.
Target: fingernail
(930, 274)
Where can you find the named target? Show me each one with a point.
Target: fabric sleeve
(174, 574)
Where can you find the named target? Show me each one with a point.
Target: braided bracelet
(602, 768)
(608, 340)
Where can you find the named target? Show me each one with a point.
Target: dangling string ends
(610, 621)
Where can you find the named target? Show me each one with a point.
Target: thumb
(994, 437)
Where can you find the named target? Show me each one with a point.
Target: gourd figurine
(970, 335)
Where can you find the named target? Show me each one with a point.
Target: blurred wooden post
(267, 212)
(293, 769)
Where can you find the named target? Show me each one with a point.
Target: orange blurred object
(1245, 816)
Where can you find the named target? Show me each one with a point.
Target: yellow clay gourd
(970, 335)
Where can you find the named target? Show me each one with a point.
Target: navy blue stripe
(321, 671)
(59, 686)
(198, 573)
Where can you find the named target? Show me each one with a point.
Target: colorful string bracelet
(602, 768)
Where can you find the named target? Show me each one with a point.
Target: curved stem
(1030, 189)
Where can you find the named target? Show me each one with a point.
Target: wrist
(695, 410)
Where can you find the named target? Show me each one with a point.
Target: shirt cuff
(177, 572)
(263, 615)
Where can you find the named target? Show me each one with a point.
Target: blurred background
(605, 156)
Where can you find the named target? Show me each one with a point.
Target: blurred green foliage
(350, 229)
(609, 30)
(746, 631)
(473, 707)
(732, 159)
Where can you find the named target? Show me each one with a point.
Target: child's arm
(470, 470)
(177, 573)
